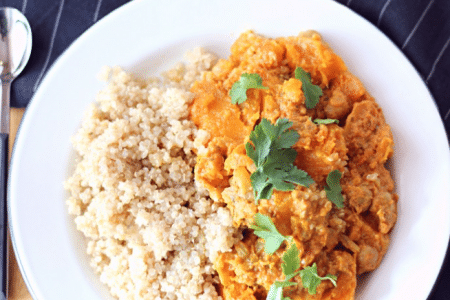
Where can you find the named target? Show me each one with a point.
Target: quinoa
(152, 232)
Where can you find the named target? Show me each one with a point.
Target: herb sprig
(238, 91)
(325, 121)
(266, 229)
(312, 92)
(276, 290)
(274, 159)
(334, 189)
(310, 278)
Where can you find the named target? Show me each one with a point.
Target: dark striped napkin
(55, 24)
(420, 28)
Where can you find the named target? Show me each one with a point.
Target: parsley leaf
(261, 141)
(274, 159)
(310, 278)
(238, 91)
(291, 261)
(312, 92)
(326, 121)
(279, 133)
(333, 188)
(276, 290)
(264, 228)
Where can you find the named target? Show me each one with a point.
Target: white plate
(148, 36)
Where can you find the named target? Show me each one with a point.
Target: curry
(344, 241)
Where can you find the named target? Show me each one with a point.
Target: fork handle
(3, 214)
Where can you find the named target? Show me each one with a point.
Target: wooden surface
(17, 290)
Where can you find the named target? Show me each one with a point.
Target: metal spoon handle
(3, 214)
(5, 106)
(4, 137)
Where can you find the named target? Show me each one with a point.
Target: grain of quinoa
(152, 234)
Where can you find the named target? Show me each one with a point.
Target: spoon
(15, 49)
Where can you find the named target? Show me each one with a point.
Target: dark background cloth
(420, 28)
(55, 24)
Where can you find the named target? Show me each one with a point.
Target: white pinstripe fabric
(24, 6)
(97, 10)
(417, 24)
(386, 4)
(49, 53)
(447, 115)
(437, 60)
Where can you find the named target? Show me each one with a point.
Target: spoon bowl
(15, 50)
(15, 42)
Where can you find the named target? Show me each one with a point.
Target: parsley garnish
(333, 188)
(290, 265)
(238, 92)
(274, 159)
(276, 290)
(291, 261)
(312, 92)
(326, 121)
(264, 228)
(310, 278)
